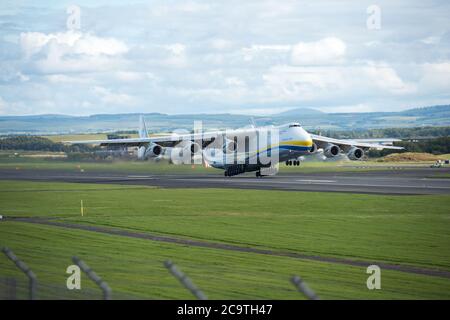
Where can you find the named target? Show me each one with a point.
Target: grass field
(405, 230)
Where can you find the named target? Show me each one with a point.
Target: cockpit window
(293, 125)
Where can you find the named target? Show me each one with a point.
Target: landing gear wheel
(258, 174)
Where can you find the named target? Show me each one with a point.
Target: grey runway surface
(390, 181)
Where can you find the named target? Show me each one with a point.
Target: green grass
(405, 229)
(134, 269)
(409, 230)
(139, 167)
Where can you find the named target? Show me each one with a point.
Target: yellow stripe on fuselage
(302, 143)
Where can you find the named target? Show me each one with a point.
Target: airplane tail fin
(142, 128)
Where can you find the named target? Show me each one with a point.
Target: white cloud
(308, 83)
(163, 57)
(326, 51)
(54, 63)
(431, 40)
(129, 76)
(177, 49)
(176, 55)
(71, 42)
(436, 77)
(221, 44)
(192, 7)
(263, 51)
(65, 79)
(188, 7)
(133, 76)
(234, 81)
(22, 77)
(108, 97)
(70, 51)
(385, 78)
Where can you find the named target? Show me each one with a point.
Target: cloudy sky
(252, 56)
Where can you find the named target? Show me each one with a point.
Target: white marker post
(82, 209)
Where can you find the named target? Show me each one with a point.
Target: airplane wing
(383, 141)
(164, 141)
(322, 141)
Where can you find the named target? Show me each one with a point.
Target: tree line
(439, 145)
(435, 146)
(35, 143)
(400, 133)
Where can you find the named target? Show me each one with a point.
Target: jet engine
(194, 147)
(313, 148)
(229, 146)
(183, 152)
(188, 146)
(355, 153)
(331, 151)
(141, 153)
(151, 151)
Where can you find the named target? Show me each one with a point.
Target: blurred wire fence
(18, 282)
(18, 289)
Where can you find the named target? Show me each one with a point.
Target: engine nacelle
(313, 148)
(229, 146)
(141, 153)
(194, 147)
(355, 153)
(174, 153)
(151, 151)
(188, 147)
(331, 151)
(182, 153)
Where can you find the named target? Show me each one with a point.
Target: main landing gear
(293, 162)
(234, 170)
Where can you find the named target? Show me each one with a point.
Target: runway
(392, 181)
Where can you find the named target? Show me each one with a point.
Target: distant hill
(436, 111)
(308, 117)
(299, 112)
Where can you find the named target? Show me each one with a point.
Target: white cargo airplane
(245, 150)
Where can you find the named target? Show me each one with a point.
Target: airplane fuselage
(291, 142)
